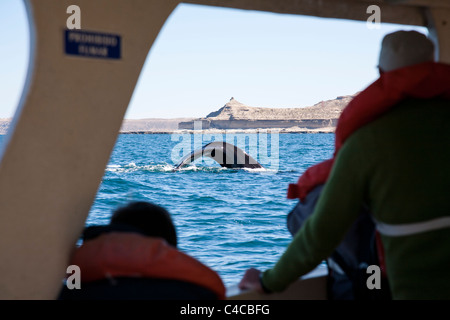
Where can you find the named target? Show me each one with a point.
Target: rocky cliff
(235, 115)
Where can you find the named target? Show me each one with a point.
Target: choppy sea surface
(229, 219)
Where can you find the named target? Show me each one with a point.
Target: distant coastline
(236, 131)
(4, 130)
(235, 117)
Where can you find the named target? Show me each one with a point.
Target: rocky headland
(234, 115)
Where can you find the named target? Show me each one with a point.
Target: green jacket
(400, 166)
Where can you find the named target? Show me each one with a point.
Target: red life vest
(422, 81)
(120, 254)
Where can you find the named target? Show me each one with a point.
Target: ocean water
(229, 219)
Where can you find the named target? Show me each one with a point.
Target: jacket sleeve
(337, 208)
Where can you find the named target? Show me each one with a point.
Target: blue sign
(92, 44)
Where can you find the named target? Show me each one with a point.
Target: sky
(204, 55)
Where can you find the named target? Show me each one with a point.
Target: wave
(132, 167)
(165, 167)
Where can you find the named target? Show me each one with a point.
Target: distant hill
(151, 125)
(234, 110)
(236, 115)
(130, 125)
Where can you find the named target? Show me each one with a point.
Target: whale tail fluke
(224, 153)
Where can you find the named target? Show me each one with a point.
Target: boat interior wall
(404, 12)
(424, 3)
(438, 22)
(56, 153)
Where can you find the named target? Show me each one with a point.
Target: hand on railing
(252, 281)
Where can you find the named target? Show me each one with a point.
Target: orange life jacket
(422, 81)
(121, 254)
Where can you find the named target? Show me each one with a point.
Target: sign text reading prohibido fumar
(92, 44)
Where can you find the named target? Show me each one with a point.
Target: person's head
(404, 48)
(152, 220)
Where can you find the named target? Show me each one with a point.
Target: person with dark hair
(152, 220)
(135, 256)
(391, 154)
